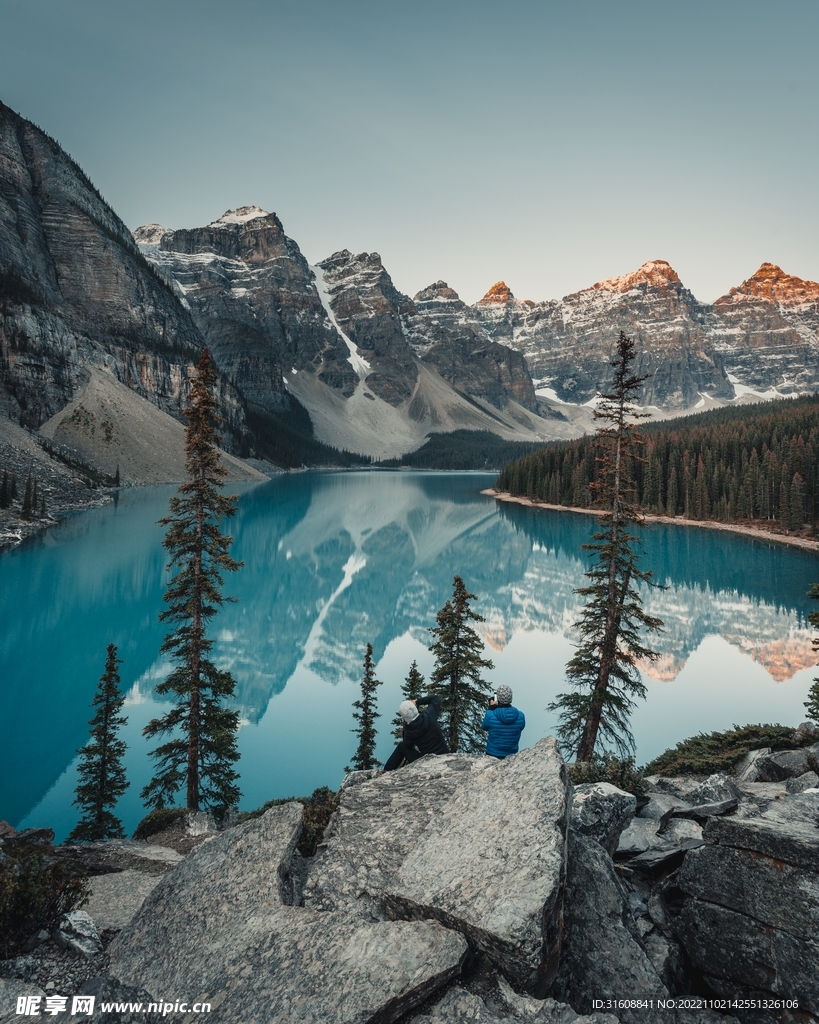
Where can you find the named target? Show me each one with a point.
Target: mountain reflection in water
(336, 560)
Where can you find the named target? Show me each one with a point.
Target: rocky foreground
(462, 888)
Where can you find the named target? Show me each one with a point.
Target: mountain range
(333, 356)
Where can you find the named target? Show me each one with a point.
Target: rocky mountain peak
(499, 294)
(437, 292)
(239, 216)
(150, 234)
(655, 274)
(771, 283)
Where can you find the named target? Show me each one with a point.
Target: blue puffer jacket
(504, 725)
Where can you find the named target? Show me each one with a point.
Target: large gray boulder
(785, 764)
(810, 780)
(602, 957)
(491, 865)
(377, 824)
(747, 769)
(217, 929)
(716, 789)
(751, 920)
(601, 811)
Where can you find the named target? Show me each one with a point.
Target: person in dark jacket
(422, 734)
(504, 724)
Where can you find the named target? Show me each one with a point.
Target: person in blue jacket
(503, 723)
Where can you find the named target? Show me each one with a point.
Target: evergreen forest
(755, 463)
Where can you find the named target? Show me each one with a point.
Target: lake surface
(334, 560)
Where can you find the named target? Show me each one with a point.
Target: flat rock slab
(491, 864)
(701, 812)
(787, 830)
(377, 824)
(119, 855)
(297, 966)
(216, 930)
(116, 897)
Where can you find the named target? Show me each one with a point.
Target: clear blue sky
(550, 144)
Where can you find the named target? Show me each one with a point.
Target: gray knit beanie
(408, 711)
(503, 695)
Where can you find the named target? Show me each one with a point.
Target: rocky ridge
(375, 375)
(760, 339)
(520, 913)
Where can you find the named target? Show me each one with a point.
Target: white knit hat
(503, 695)
(408, 711)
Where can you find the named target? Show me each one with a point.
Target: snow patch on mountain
(239, 216)
(356, 360)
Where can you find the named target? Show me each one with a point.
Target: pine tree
(13, 487)
(116, 477)
(457, 673)
(201, 754)
(102, 776)
(365, 714)
(5, 491)
(604, 671)
(411, 689)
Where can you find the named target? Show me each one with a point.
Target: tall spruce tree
(365, 714)
(411, 689)
(603, 672)
(5, 491)
(456, 677)
(102, 775)
(202, 750)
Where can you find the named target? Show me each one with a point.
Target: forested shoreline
(748, 464)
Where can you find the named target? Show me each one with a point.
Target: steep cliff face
(367, 308)
(253, 298)
(76, 293)
(568, 343)
(448, 334)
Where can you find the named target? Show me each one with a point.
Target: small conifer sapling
(365, 714)
(102, 775)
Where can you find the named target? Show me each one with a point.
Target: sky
(548, 143)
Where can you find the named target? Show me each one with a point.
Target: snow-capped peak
(658, 273)
(772, 283)
(239, 216)
(150, 234)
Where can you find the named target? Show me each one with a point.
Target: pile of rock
(462, 888)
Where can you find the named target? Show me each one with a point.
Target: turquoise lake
(334, 560)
